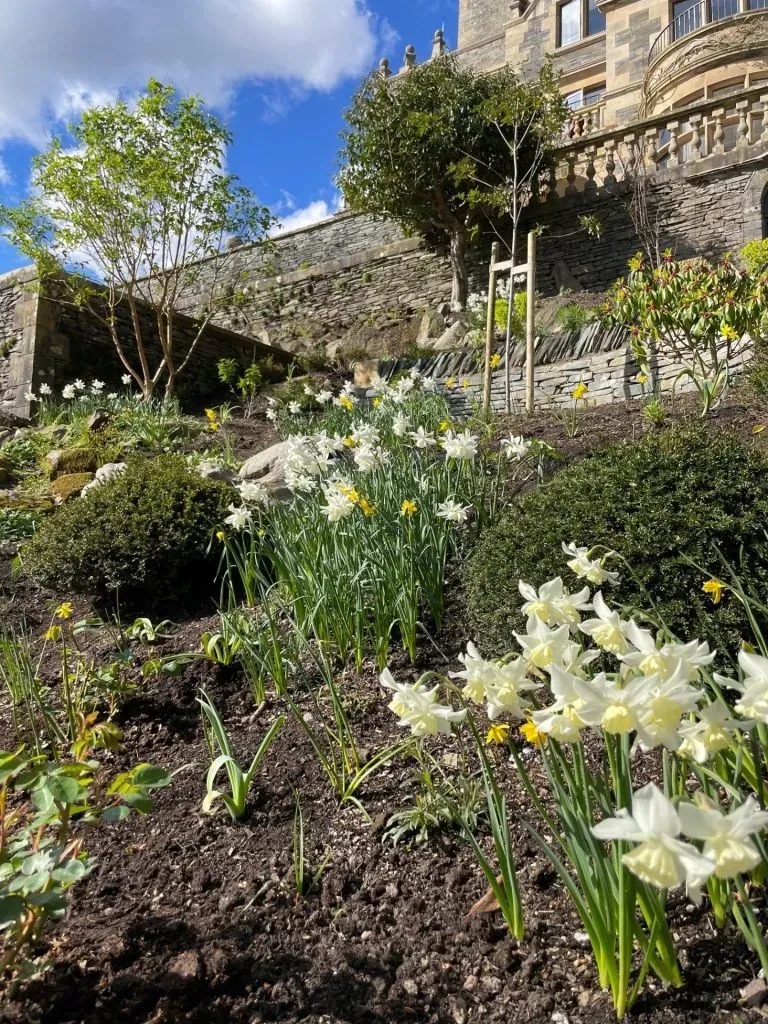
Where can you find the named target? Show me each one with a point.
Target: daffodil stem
(749, 926)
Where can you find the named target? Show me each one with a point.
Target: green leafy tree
(426, 151)
(129, 211)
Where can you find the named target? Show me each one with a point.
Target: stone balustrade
(708, 134)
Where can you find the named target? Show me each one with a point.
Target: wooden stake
(530, 354)
(490, 327)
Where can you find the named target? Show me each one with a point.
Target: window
(686, 17)
(584, 97)
(577, 19)
(758, 5)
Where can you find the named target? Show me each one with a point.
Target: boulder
(431, 325)
(215, 471)
(261, 463)
(98, 420)
(364, 372)
(66, 461)
(104, 473)
(275, 483)
(452, 338)
(5, 473)
(69, 486)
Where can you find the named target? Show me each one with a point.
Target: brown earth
(191, 918)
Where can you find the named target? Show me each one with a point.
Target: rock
(98, 420)
(70, 460)
(452, 338)
(261, 463)
(411, 987)
(5, 473)
(755, 992)
(5, 435)
(103, 474)
(187, 965)
(444, 313)
(58, 433)
(69, 486)
(364, 371)
(430, 326)
(333, 348)
(564, 279)
(213, 471)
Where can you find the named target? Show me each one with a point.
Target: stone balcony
(703, 45)
(702, 137)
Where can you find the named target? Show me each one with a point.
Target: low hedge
(146, 532)
(678, 495)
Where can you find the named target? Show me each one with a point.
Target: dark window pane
(687, 15)
(570, 22)
(758, 5)
(723, 9)
(596, 19)
(593, 94)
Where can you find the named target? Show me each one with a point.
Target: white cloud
(5, 174)
(307, 215)
(63, 56)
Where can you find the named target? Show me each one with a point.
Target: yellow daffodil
(728, 332)
(466, 383)
(409, 508)
(444, 425)
(366, 507)
(213, 419)
(349, 441)
(64, 611)
(641, 378)
(759, 429)
(715, 589)
(346, 403)
(498, 733)
(495, 360)
(221, 536)
(579, 391)
(53, 633)
(350, 494)
(451, 382)
(376, 403)
(531, 734)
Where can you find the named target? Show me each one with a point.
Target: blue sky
(281, 71)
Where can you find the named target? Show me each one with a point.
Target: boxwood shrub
(145, 532)
(684, 492)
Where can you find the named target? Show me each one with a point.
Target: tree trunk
(460, 288)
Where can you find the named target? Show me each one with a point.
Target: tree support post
(530, 353)
(490, 327)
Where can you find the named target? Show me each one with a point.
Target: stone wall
(18, 334)
(609, 376)
(73, 343)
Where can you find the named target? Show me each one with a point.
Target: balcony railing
(698, 16)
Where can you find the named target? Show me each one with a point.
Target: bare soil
(192, 918)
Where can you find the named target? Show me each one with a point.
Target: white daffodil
(418, 708)
(326, 445)
(337, 507)
(553, 604)
(324, 397)
(661, 859)
(591, 569)
(253, 493)
(400, 425)
(348, 389)
(726, 837)
(500, 684)
(45, 389)
(615, 709)
(608, 629)
(240, 518)
(79, 385)
(429, 384)
(294, 408)
(271, 415)
(453, 512)
(68, 391)
(308, 391)
(710, 732)
(126, 379)
(97, 386)
(414, 374)
(368, 458)
(543, 646)
(422, 438)
(665, 661)
(30, 396)
(460, 446)
(364, 433)
(515, 447)
(667, 701)
(753, 702)
(562, 724)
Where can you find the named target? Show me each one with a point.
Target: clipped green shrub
(145, 532)
(573, 317)
(670, 495)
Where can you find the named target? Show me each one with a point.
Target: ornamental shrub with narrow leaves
(696, 310)
(676, 495)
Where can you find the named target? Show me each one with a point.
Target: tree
(130, 210)
(423, 150)
(529, 116)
